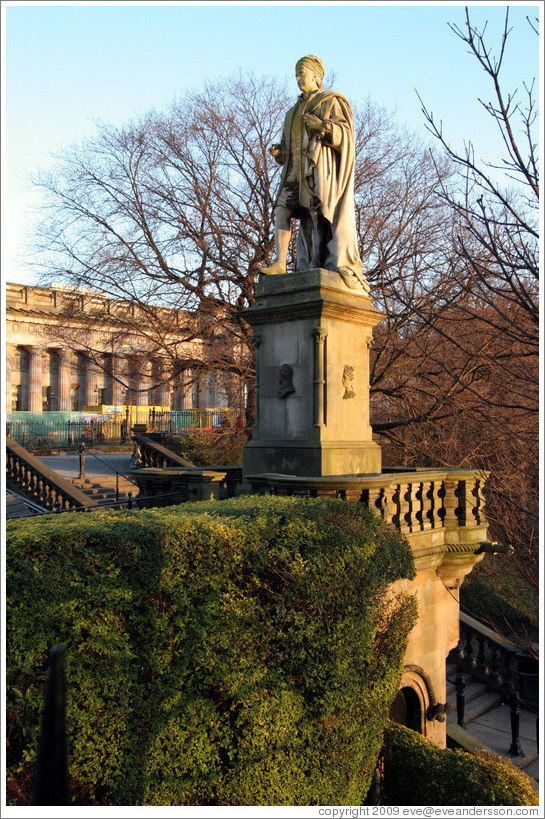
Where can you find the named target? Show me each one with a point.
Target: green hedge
(417, 772)
(233, 653)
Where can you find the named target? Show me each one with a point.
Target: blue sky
(67, 65)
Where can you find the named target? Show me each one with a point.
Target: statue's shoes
(354, 281)
(274, 269)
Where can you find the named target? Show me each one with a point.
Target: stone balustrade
(172, 485)
(432, 507)
(149, 453)
(485, 656)
(28, 475)
(165, 478)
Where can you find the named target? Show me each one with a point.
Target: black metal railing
(513, 672)
(50, 785)
(117, 473)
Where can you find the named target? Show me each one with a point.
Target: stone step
(16, 507)
(105, 483)
(526, 761)
(472, 691)
(477, 705)
(105, 496)
(94, 487)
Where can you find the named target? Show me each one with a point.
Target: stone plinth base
(313, 460)
(312, 335)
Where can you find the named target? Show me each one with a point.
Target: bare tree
(172, 211)
(464, 385)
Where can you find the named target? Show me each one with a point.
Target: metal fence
(50, 433)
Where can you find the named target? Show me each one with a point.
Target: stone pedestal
(312, 335)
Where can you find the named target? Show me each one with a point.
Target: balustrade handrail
(60, 488)
(415, 501)
(476, 625)
(490, 658)
(166, 455)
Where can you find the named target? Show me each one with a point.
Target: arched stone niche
(415, 704)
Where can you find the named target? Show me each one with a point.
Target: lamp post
(81, 460)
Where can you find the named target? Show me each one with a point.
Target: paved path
(67, 466)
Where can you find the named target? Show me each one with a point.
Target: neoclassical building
(68, 349)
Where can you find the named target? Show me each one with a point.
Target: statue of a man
(317, 184)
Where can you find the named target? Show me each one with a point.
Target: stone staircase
(102, 489)
(487, 723)
(19, 507)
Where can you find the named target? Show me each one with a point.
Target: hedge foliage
(240, 652)
(211, 447)
(417, 772)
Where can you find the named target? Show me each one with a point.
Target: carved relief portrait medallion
(285, 381)
(348, 377)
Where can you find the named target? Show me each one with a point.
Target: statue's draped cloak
(327, 182)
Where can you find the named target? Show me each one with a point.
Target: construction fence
(57, 430)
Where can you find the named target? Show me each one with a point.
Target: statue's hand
(313, 122)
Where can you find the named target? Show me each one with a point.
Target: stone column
(145, 381)
(320, 335)
(161, 391)
(10, 352)
(118, 375)
(65, 379)
(35, 378)
(189, 390)
(133, 381)
(91, 382)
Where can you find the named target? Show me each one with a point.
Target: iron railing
(49, 433)
(513, 672)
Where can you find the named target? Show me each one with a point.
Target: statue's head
(309, 72)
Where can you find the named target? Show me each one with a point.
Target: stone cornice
(309, 294)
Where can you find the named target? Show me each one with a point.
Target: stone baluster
(460, 652)
(505, 670)
(481, 660)
(372, 499)
(450, 503)
(65, 379)
(469, 659)
(493, 666)
(395, 516)
(465, 506)
(35, 379)
(427, 505)
(478, 502)
(389, 504)
(320, 335)
(405, 508)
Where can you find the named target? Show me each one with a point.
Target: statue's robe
(326, 181)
